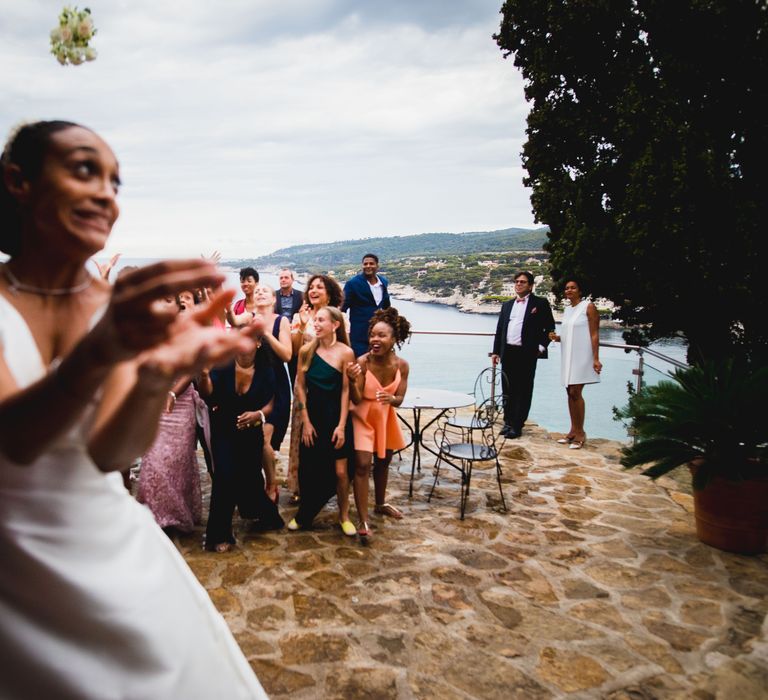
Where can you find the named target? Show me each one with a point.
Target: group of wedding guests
(340, 402)
(337, 381)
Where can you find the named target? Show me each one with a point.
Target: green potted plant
(714, 419)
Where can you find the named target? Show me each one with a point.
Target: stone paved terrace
(593, 585)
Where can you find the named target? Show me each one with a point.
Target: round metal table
(418, 399)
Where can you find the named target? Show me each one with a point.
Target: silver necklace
(16, 285)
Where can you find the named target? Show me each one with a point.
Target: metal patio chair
(461, 447)
(490, 385)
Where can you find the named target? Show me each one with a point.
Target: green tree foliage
(646, 153)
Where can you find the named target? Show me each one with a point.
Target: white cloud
(245, 126)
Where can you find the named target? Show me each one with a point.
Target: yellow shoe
(293, 525)
(347, 528)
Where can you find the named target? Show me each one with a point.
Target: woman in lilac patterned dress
(169, 481)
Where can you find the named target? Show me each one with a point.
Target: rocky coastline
(467, 303)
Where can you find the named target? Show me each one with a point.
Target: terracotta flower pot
(733, 515)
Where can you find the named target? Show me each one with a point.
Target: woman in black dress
(240, 396)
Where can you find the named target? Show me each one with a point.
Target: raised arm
(282, 346)
(33, 417)
(298, 326)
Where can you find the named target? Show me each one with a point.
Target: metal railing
(641, 351)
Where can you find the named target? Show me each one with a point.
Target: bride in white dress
(579, 358)
(95, 601)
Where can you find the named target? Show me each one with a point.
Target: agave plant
(714, 415)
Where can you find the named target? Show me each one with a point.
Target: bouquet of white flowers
(69, 41)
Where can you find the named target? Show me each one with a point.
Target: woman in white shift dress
(580, 357)
(95, 601)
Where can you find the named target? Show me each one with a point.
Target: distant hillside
(341, 255)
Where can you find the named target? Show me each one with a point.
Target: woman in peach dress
(378, 382)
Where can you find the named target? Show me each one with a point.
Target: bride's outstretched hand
(133, 321)
(193, 343)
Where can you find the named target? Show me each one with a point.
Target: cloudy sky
(249, 125)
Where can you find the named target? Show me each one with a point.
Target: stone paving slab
(592, 585)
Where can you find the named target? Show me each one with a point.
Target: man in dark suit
(363, 295)
(288, 301)
(522, 336)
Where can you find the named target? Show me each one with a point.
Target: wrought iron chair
(490, 385)
(461, 448)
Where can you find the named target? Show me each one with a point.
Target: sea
(454, 361)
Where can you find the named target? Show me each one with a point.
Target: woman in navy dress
(240, 396)
(279, 342)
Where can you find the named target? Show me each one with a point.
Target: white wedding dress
(95, 601)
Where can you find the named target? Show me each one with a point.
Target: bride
(95, 601)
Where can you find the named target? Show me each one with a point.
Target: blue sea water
(452, 362)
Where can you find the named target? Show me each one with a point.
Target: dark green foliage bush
(715, 414)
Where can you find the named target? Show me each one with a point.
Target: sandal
(347, 527)
(388, 509)
(223, 548)
(363, 531)
(578, 444)
(566, 440)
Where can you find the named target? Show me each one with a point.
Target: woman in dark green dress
(322, 398)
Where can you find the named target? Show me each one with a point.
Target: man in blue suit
(363, 295)
(522, 337)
